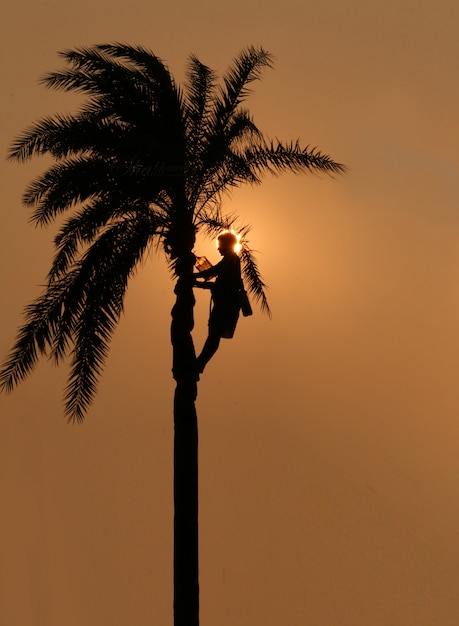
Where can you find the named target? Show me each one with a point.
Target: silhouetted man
(225, 297)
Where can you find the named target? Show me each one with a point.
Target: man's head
(227, 242)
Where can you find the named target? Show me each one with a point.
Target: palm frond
(62, 136)
(227, 127)
(254, 282)
(212, 221)
(275, 157)
(36, 336)
(76, 180)
(164, 97)
(143, 60)
(92, 332)
(67, 183)
(218, 150)
(108, 265)
(71, 79)
(199, 100)
(117, 88)
(246, 68)
(242, 129)
(81, 309)
(86, 225)
(93, 72)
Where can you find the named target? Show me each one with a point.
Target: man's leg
(209, 349)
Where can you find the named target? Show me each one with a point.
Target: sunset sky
(329, 435)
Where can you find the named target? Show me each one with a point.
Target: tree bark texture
(186, 580)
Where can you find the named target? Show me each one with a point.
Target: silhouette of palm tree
(142, 161)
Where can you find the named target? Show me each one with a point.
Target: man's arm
(212, 272)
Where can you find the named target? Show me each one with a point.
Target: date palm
(142, 161)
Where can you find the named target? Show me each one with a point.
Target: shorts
(223, 319)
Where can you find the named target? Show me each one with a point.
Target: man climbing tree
(226, 300)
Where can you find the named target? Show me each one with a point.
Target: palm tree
(142, 161)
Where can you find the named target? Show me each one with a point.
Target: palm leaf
(87, 224)
(275, 157)
(36, 336)
(107, 267)
(67, 183)
(246, 68)
(255, 285)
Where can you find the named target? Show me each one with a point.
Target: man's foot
(199, 367)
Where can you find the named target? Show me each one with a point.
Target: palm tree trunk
(186, 582)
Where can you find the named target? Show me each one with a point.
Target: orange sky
(329, 470)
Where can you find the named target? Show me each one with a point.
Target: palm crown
(143, 161)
